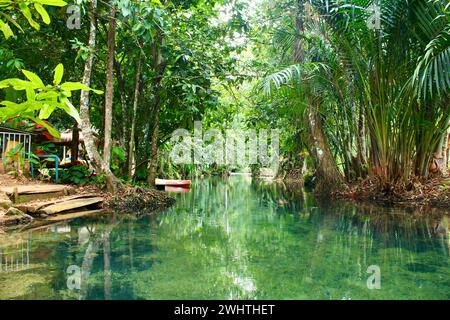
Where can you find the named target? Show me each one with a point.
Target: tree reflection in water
(240, 239)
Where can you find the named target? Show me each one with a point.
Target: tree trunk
(123, 104)
(441, 156)
(328, 175)
(131, 152)
(152, 168)
(361, 142)
(89, 142)
(109, 96)
(74, 145)
(299, 52)
(159, 66)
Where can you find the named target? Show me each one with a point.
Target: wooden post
(74, 145)
(15, 195)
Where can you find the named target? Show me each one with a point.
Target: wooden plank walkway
(74, 215)
(34, 206)
(35, 188)
(42, 204)
(71, 205)
(33, 192)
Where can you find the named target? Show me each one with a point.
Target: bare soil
(10, 180)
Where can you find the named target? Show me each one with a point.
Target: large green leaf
(12, 110)
(46, 111)
(27, 14)
(59, 72)
(34, 78)
(73, 86)
(47, 126)
(7, 32)
(16, 84)
(42, 12)
(8, 18)
(71, 110)
(55, 3)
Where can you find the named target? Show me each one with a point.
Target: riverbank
(138, 199)
(25, 203)
(431, 193)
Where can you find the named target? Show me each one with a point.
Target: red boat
(176, 189)
(173, 183)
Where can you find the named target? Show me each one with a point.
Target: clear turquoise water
(233, 239)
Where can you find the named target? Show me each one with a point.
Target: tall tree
(159, 66)
(109, 96)
(132, 149)
(89, 140)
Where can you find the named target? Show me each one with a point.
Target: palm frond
(287, 75)
(432, 74)
(290, 75)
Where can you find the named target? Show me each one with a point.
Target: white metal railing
(16, 260)
(8, 140)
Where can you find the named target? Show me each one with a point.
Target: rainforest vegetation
(358, 89)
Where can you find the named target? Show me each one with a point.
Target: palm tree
(387, 89)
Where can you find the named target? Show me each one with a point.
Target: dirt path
(11, 181)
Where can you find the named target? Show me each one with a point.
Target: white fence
(10, 140)
(16, 260)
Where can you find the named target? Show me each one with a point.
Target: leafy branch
(9, 8)
(41, 98)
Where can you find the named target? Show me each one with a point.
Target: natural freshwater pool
(233, 239)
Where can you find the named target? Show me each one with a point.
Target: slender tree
(109, 95)
(159, 66)
(89, 140)
(132, 151)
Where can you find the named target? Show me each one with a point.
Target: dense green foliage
(382, 94)
(352, 101)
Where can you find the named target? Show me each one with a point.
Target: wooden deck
(34, 188)
(33, 208)
(45, 203)
(27, 193)
(68, 205)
